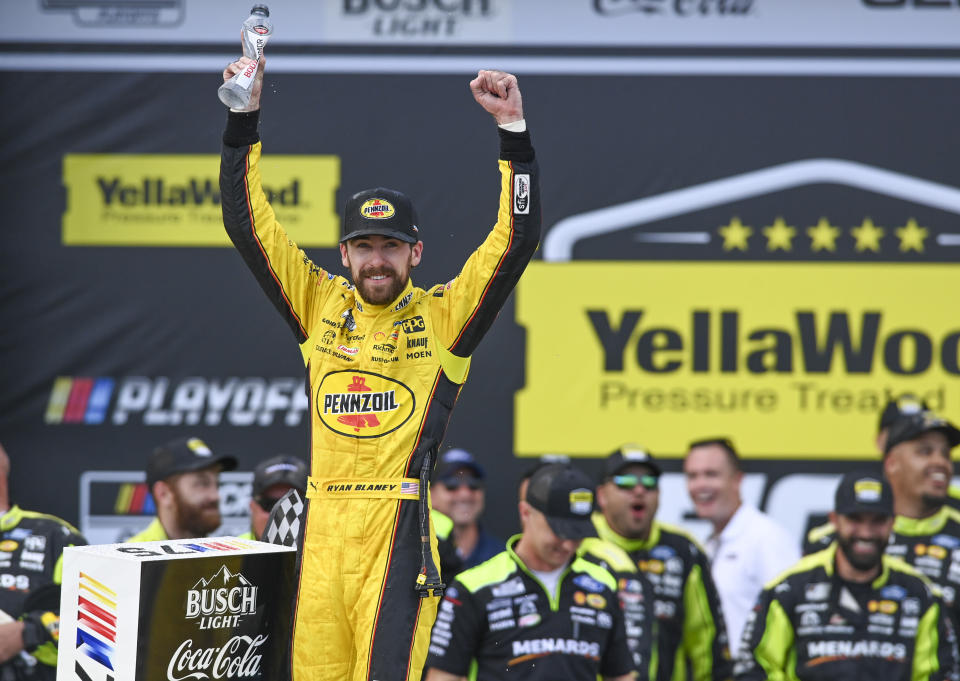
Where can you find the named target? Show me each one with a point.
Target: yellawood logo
(174, 199)
(793, 358)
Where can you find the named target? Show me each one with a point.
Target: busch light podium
(177, 610)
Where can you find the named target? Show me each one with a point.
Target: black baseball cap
(904, 405)
(453, 460)
(628, 455)
(911, 427)
(565, 496)
(184, 455)
(862, 492)
(382, 211)
(280, 470)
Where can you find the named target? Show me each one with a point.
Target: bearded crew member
(385, 363)
(849, 611)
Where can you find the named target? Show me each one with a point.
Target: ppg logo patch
(521, 194)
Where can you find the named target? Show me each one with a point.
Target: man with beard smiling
(849, 611)
(691, 642)
(183, 477)
(385, 362)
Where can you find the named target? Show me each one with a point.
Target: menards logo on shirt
(363, 404)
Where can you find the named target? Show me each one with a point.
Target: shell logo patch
(363, 404)
(377, 209)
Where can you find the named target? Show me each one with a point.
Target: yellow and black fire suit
(811, 625)
(382, 381)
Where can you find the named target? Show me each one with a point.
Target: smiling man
(691, 640)
(849, 611)
(385, 362)
(740, 565)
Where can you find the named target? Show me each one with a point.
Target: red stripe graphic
(95, 609)
(95, 625)
(139, 495)
(77, 402)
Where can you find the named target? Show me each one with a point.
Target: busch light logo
(220, 602)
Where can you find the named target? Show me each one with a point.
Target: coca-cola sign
(238, 658)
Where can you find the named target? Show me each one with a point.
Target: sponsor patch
(377, 209)
(581, 501)
(8, 545)
(588, 583)
(521, 194)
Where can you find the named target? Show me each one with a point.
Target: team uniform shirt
(750, 551)
(636, 600)
(498, 621)
(31, 561)
(811, 625)
(691, 637)
(931, 545)
(382, 381)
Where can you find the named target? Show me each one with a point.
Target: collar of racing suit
(11, 518)
(922, 526)
(828, 558)
(625, 543)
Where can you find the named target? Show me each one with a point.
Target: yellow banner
(788, 359)
(174, 199)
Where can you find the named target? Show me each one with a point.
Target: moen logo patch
(362, 404)
(174, 199)
(377, 209)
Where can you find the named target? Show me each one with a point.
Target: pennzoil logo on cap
(867, 490)
(377, 209)
(198, 447)
(581, 501)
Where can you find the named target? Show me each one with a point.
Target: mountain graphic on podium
(223, 578)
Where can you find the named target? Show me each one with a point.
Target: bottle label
(256, 41)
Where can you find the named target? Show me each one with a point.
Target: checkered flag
(285, 522)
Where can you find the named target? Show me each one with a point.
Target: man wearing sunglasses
(691, 635)
(272, 479)
(458, 493)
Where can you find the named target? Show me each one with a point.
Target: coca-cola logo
(238, 658)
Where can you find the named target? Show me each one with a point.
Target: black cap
(454, 459)
(904, 405)
(628, 455)
(280, 470)
(860, 492)
(183, 455)
(913, 426)
(565, 496)
(386, 212)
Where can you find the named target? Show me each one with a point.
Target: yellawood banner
(790, 359)
(174, 199)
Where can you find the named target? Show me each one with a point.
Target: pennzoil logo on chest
(363, 404)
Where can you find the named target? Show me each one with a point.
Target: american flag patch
(409, 488)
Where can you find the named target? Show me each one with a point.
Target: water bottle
(235, 93)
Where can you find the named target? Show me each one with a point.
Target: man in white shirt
(747, 548)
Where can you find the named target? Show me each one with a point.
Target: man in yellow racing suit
(385, 362)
